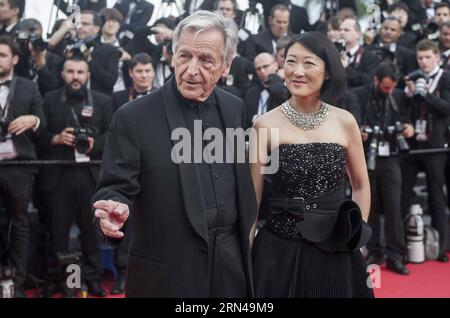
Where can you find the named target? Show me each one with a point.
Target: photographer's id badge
(7, 150)
(87, 111)
(420, 129)
(383, 149)
(80, 158)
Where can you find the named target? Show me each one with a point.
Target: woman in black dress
(310, 243)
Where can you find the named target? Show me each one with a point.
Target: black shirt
(217, 178)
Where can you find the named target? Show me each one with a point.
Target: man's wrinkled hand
(112, 216)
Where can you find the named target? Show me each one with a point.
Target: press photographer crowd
(59, 93)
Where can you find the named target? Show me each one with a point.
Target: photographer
(428, 90)
(112, 20)
(11, 11)
(407, 38)
(103, 59)
(21, 122)
(358, 62)
(444, 44)
(268, 93)
(36, 62)
(388, 49)
(383, 106)
(78, 120)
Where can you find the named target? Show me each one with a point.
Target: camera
(371, 156)
(82, 135)
(428, 31)
(6, 282)
(4, 124)
(420, 82)
(386, 53)
(24, 38)
(392, 134)
(340, 46)
(80, 48)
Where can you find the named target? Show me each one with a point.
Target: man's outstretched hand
(112, 216)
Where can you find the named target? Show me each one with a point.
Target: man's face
(226, 8)
(402, 15)
(386, 86)
(265, 64)
(349, 33)
(142, 76)
(199, 63)
(442, 15)
(111, 27)
(444, 37)
(390, 31)
(75, 74)
(87, 27)
(6, 12)
(427, 60)
(7, 60)
(279, 23)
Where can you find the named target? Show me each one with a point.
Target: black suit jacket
(278, 94)
(363, 94)
(120, 98)
(206, 5)
(26, 101)
(168, 253)
(438, 119)
(141, 16)
(104, 68)
(361, 73)
(58, 115)
(49, 77)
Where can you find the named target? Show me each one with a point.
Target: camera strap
(12, 88)
(436, 81)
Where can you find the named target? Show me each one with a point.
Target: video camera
(392, 134)
(24, 38)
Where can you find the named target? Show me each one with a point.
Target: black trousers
(386, 186)
(16, 191)
(68, 202)
(121, 253)
(434, 166)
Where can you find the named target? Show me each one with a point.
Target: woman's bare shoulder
(270, 119)
(344, 117)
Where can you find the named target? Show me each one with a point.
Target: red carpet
(428, 280)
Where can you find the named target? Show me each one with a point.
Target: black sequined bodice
(307, 171)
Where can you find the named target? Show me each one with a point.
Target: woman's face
(304, 72)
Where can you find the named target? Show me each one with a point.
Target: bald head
(265, 64)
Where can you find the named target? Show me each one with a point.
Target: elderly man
(190, 221)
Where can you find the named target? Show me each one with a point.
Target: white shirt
(353, 54)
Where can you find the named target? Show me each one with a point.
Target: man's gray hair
(201, 21)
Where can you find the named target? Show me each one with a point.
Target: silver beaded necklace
(307, 121)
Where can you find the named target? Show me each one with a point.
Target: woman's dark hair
(320, 45)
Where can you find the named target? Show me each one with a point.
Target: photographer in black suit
(21, 121)
(10, 14)
(358, 62)
(429, 92)
(383, 105)
(78, 119)
(103, 59)
(270, 91)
